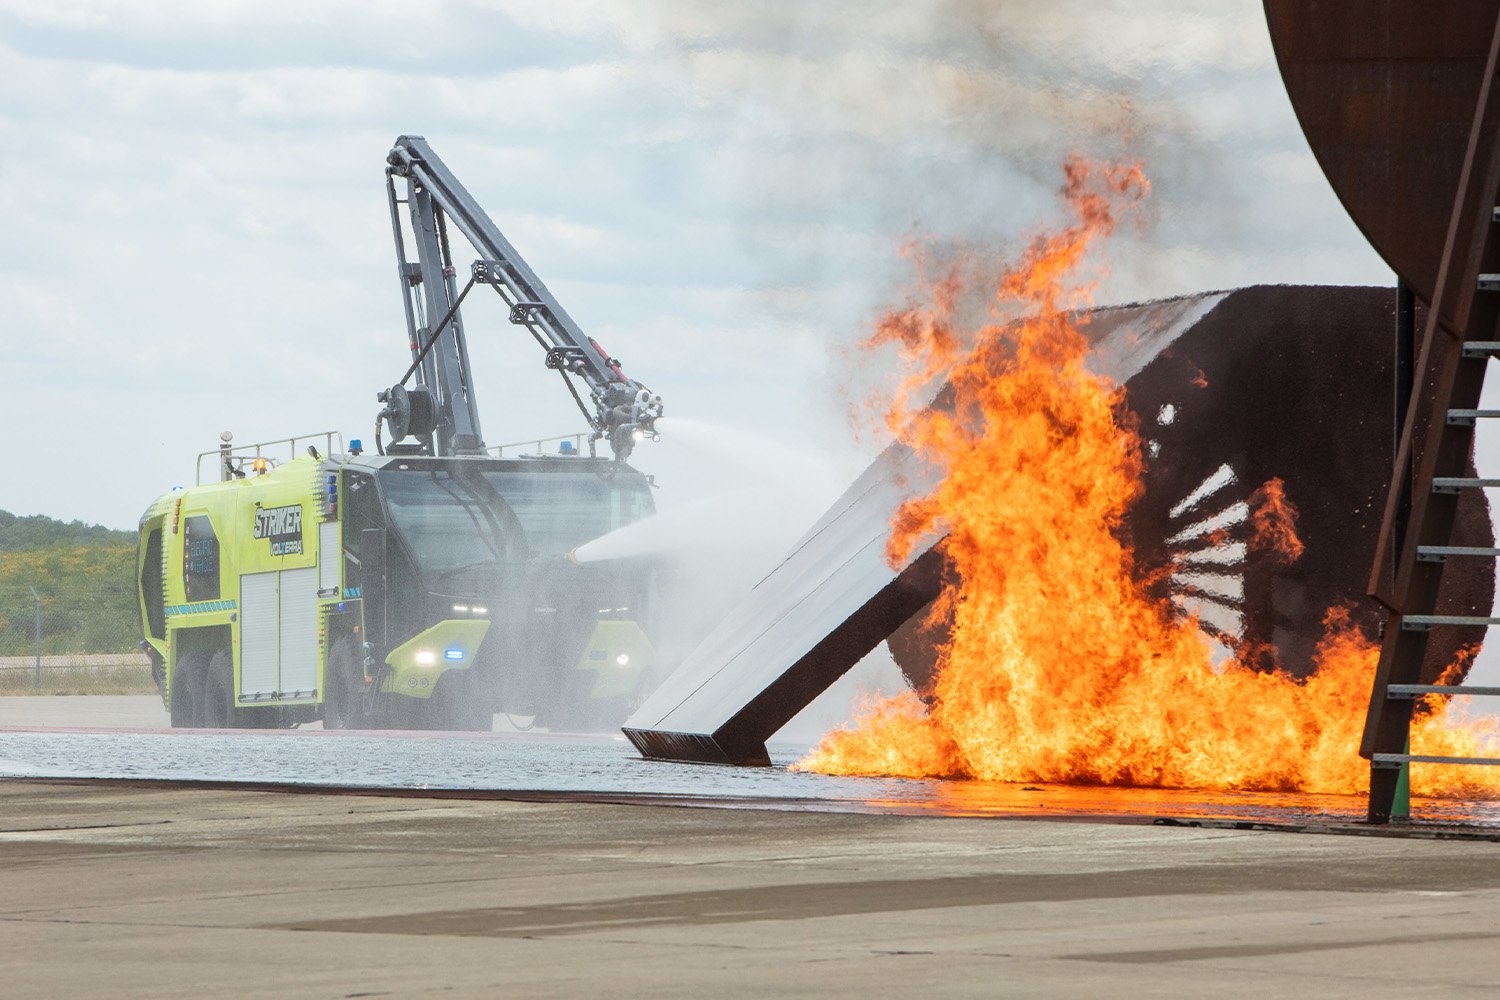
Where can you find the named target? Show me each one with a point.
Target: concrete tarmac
(124, 891)
(94, 711)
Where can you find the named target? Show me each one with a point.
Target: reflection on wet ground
(602, 768)
(979, 798)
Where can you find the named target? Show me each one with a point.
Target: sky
(198, 238)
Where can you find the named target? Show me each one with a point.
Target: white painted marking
(1229, 554)
(1219, 655)
(1216, 481)
(1227, 518)
(1226, 619)
(1228, 586)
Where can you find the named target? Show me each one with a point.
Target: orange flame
(1061, 667)
(1273, 521)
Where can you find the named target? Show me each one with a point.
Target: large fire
(1061, 666)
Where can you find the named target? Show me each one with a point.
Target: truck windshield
(560, 510)
(449, 520)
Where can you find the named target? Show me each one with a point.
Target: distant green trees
(85, 576)
(25, 534)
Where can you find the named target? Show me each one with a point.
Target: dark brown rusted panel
(1270, 381)
(1459, 313)
(1295, 383)
(1385, 92)
(1468, 250)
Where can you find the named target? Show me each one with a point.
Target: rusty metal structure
(1214, 433)
(1195, 371)
(1398, 100)
(1399, 105)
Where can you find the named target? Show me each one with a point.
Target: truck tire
(218, 709)
(187, 691)
(343, 706)
(456, 706)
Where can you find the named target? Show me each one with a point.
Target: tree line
(84, 575)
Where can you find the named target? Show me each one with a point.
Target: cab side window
(200, 559)
(361, 511)
(151, 583)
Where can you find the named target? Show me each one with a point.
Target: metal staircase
(1461, 334)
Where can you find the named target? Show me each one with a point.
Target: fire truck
(428, 584)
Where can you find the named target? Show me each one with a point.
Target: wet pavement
(605, 768)
(111, 889)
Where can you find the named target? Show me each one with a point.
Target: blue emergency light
(453, 654)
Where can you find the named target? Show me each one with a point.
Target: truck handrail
(498, 450)
(333, 443)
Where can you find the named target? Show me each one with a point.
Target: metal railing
(499, 450)
(333, 443)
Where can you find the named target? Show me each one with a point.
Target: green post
(37, 601)
(1401, 802)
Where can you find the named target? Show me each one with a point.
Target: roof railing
(499, 450)
(231, 458)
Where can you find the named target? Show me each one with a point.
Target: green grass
(88, 600)
(131, 679)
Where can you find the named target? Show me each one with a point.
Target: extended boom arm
(442, 405)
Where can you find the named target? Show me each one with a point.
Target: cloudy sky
(197, 238)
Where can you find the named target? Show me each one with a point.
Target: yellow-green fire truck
(429, 584)
(409, 591)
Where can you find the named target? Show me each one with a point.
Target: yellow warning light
(261, 466)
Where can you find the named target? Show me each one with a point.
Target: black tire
(261, 718)
(218, 710)
(477, 718)
(401, 712)
(456, 706)
(344, 677)
(187, 690)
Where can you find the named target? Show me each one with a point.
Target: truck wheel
(457, 706)
(218, 709)
(478, 719)
(187, 691)
(260, 718)
(345, 680)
